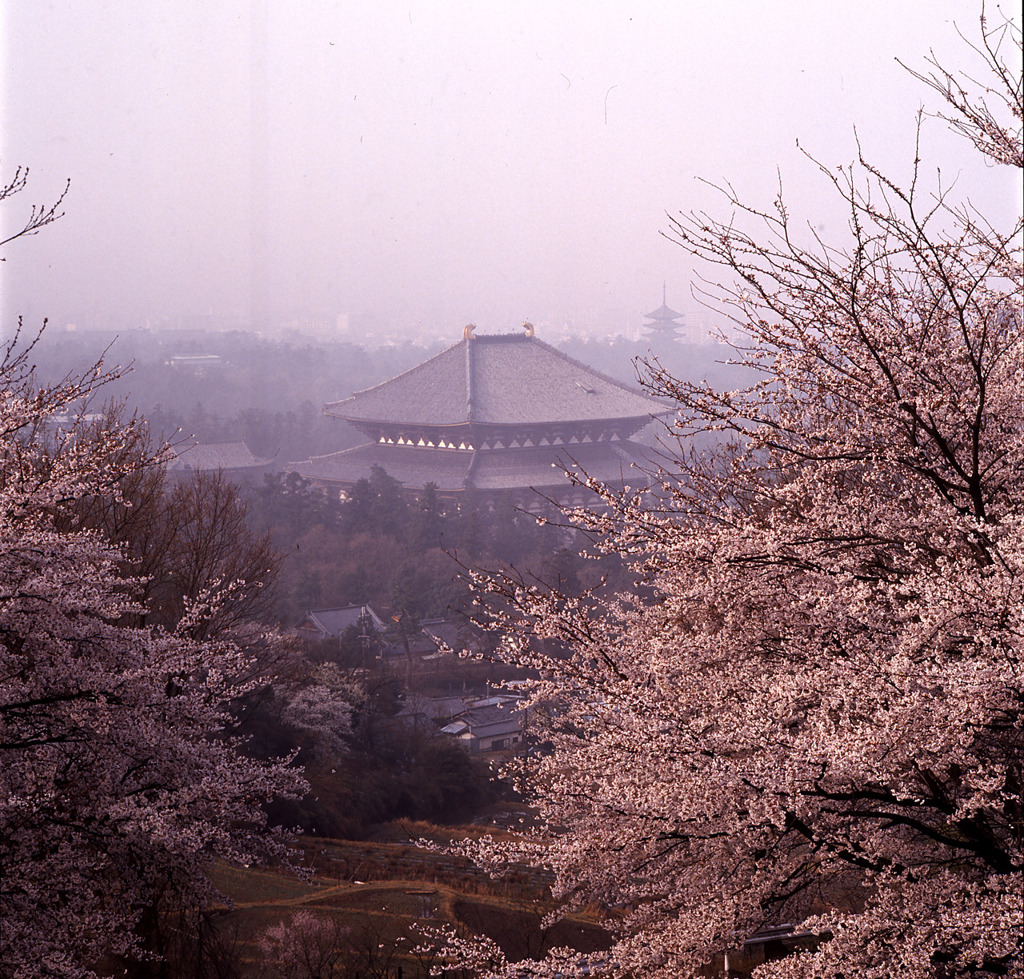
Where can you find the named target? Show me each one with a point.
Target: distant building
(69, 420)
(495, 414)
(663, 326)
(488, 726)
(332, 623)
(196, 363)
(233, 459)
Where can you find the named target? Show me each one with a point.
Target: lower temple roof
(489, 470)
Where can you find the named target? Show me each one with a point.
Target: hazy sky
(431, 164)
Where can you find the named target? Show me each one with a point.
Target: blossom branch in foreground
(809, 714)
(117, 783)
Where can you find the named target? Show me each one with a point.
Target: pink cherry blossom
(117, 782)
(809, 713)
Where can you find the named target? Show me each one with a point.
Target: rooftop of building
(334, 621)
(663, 314)
(453, 470)
(210, 457)
(502, 379)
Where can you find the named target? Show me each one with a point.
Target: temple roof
(213, 456)
(507, 379)
(663, 314)
(411, 465)
(334, 621)
(544, 466)
(453, 470)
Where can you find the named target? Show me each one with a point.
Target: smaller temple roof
(334, 621)
(213, 456)
(663, 314)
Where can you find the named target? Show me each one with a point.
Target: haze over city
(380, 595)
(403, 169)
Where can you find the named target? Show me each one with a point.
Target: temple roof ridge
(663, 313)
(497, 379)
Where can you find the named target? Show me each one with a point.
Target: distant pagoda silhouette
(663, 326)
(494, 414)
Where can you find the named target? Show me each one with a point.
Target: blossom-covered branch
(809, 716)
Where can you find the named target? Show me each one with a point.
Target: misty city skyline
(407, 169)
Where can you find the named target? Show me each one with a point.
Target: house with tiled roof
(325, 623)
(497, 414)
(488, 727)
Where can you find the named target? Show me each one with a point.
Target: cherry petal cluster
(118, 781)
(808, 718)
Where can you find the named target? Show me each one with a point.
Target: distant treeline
(270, 393)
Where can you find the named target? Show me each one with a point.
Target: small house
(494, 727)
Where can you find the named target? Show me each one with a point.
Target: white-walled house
(491, 727)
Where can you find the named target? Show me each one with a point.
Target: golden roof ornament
(467, 332)
(528, 326)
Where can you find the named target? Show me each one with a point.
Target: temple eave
(482, 434)
(541, 467)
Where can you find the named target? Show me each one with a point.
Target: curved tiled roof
(411, 465)
(213, 456)
(508, 379)
(334, 621)
(452, 470)
(663, 314)
(544, 467)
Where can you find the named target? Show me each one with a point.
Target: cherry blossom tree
(118, 783)
(306, 946)
(810, 712)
